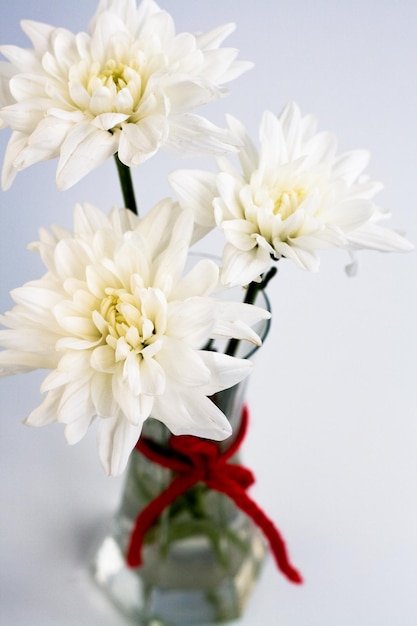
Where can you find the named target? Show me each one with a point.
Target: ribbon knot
(198, 460)
(204, 458)
(197, 454)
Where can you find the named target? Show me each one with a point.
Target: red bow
(199, 460)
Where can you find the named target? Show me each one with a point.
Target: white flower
(122, 330)
(290, 199)
(126, 87)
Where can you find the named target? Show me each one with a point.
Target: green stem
(126, 184)
(251, 293)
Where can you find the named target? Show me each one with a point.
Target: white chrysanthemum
(292, 198)
(126, 87)
(122, 330)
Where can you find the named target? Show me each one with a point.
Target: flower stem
(250, 296)
(126, 184)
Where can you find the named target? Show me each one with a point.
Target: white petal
(192, 414)
(193, 135)
(237, 330)
(350, 165)
(196, 190)
(201, 280)
(47, 137)
(225, 371)
(35, 297)
(23, 117)
(37, 340)
(273, 150)
(240, 268)
(131, 373)
(229, 190)
(26, 86)
(107, 121)
(6, 72)
(88, 219)
(136, 408)
(16, 145)
(84, 149)
(156, 225)
(38, 33)
(169, 266)
(75, 401)
(71, 258)
(183, 364)
(234, 319)
(103, 359)
(188, 94)
(45, 413)
(248, 154)
(153, 376)
(304, 259)
(19, 362)
(191, 320)
(116, 440)
(81, 327)
(379, 238)
(138, 142)
(350, 213)
(102, 395)
(215, 37)
(75, 431)
(239, 233)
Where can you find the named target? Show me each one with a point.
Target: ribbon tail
(276, 541)
(151, 512)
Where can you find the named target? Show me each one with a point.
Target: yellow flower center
(113, 85)
(129, 327)
(288, 201)
(118, 74)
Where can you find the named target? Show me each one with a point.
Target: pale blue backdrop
(333, 398)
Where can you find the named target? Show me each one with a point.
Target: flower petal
(84, 149)
(240, 268)
(193, 414)
(116, 440)
(225, 371)
(46, 412)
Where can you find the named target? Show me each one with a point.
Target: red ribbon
(198, 460)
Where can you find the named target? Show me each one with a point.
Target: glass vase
(202, 555)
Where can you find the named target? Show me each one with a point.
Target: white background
(333, 397)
